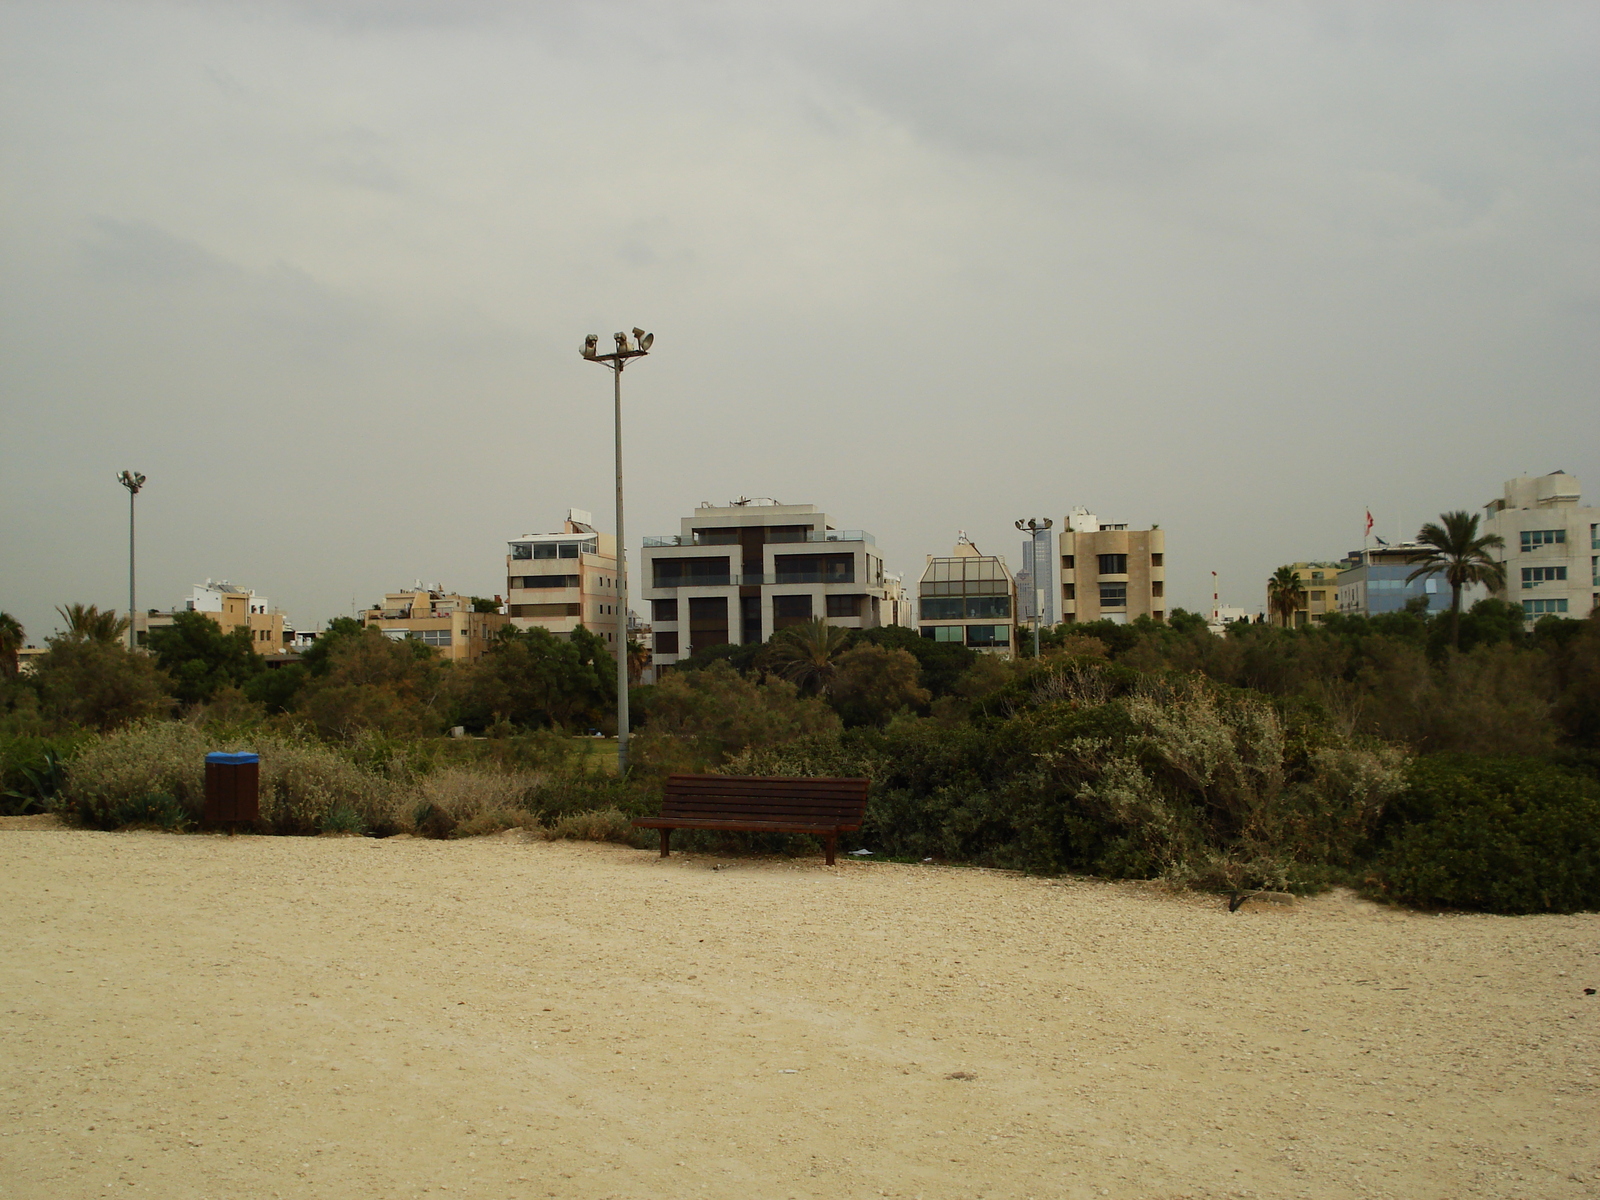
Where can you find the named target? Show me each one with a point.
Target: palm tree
(10, 642)
(803, 654)
(1462, 554)
(639, 659)
(86, 623)
(1285, 595)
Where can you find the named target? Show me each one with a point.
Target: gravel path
(197, 1016)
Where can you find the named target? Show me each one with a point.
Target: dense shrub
(1507, 835)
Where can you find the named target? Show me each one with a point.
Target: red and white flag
(1368, 529)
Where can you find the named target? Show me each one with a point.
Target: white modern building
(740, 572)
(1552, 546)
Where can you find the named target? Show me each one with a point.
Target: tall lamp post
(616, 361)
(133, 481)
(1042, 562)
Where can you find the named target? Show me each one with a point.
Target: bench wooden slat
(761, 804)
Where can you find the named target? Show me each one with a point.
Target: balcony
(770, 538)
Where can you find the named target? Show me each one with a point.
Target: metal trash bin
(233, 789)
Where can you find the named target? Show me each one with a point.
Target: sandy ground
(199, 1016)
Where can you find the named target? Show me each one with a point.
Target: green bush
(1505, 835)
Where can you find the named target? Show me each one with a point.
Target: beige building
(737, 573)
(436, 618)
(1319, 582)
(231, 607)
(1552, 546)
(1110, 572)
(558, 581)
(970, 598)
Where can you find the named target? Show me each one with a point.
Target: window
(546, 610)
(1113, 595)
(988, 635)
(1532, 539)
(546, 581)
(664, 610)
(689, 572)
(1533, 576)
(815, 568)
(666, 643)
(1158, 588)
(845, 606)
(942, 633)
(1113, 564)
(518, 550)
(1069, 591)
(1067, 561)
(544, 550)
(1534, 608)
(943, 608)
(1155, 559)
(988, 606)
(433, 637)
(790, 610)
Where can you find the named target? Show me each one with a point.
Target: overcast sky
(321, 271)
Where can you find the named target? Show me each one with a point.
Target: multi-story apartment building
(738, 573)
(1110, 572)
(231, 607)
(562, 580)
(1374, 580)
(898, 607)
(970, 598)
(1319, 596)
(1552, 546)
(444, 620)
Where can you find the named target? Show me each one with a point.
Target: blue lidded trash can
(233, 788)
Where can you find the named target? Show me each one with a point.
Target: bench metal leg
(666, 834)
(829, 844)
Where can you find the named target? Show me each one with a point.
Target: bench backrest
(828, 803)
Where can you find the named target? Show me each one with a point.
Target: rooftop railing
(769, 538)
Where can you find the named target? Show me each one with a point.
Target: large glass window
(685, 572)
(942, 633)
(845, 606)
(942, 608)
(666, 643)
(1535, 608)
(988, 635)
(518, 550)
(1113, 595)
(546, 581)
(988, 606)
(664, 610)
(815, 568)
(1533, 576)
(433, 637)
(1113, 564)
(544, 550)
(1532, 539)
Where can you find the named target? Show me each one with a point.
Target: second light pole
(616, 361)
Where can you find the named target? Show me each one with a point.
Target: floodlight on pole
(1039, 527)
(616, 362)
(133, 481)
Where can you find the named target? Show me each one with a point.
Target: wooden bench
(824, 808)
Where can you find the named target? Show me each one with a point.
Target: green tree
(942, 663)
(806, 654)
(375, 682)
(86, 623)
(317, 658)
(482, 605)
(532, 678)
(1285, 595)
(202, 659)
(1459, 552)
(873, 683)
(11, 639)
(699, 719)
(91, 682)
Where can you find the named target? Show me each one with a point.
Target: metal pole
(622, 597)
(133, 608)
